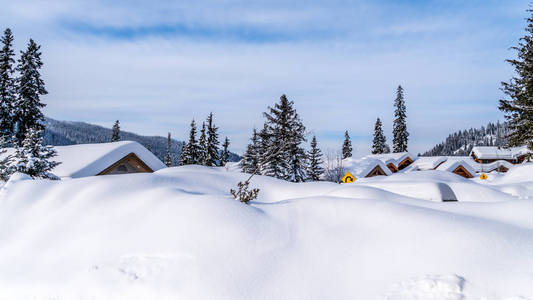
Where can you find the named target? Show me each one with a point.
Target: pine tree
(284, 157)
(115, 135)
(189, 153)
(250, 162)
(183, 155)
(315, 169)
(7, 84)
(379, 145)
(33, 158)
(346, 146)
(202, 146)
(519, 108)
(224, 158)
(168, 156)
(212, 157)
(400, 134)
(30, 87)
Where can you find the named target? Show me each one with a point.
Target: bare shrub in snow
(244, 194)
(334, 171)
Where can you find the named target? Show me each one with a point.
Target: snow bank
(177, 233)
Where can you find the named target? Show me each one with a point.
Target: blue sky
(156, 65)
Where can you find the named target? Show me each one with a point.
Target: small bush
(243, 194)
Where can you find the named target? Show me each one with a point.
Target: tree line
(277, 149)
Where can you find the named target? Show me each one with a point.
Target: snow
(360, 168)
(394, 158)
(486, 152)
(178, 234)
(451, 164)
(426, 163)
(90, 159)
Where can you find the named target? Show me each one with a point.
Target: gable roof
(490, 152)
(425, 163)
(451, 164)
(360, 168)
(90, 159)
(394, 158)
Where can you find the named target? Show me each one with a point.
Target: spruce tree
(250, 162)
(33, 158)
(212, 157)
(183, 155)
(168, 156)
(7, 85)
(224, 158)
(519, 108)
(315, 169)
(30, 87)
(379, 144)
(115, 134)
(190, 150)
(202, 146)
(400, 134)
(346, 146)
(284, 156)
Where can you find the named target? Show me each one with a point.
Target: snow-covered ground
(178, 234)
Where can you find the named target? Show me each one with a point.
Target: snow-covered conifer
(250, 162)
(346, 146)
(202, 146)
(379, 144)
(224, 157)
(189, 153)
(33, 158)
(212, 157)
(400, 134)
(284, 156)
(115, 134)
(7, 84)
(168, 156)
(30, 87)
(315, 169)
(519, 108)
(6, 159)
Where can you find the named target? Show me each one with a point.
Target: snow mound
(438, 287)
(177, 233)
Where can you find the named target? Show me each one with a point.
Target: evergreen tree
(400, 134)
(379, 145)
(33, 158)
(212, 157)
(224, 158)
(315, 169)
(284, 157)
(250, 160)
(202, 146)
(191, 149)
(115, 135)
(30, 87)
(519, 108)
(7, 84)
(346, 146)
(183, 155)
(168, 157)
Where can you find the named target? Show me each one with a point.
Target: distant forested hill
(61, 133)
(461, 143)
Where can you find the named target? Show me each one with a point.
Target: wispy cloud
(155, 66)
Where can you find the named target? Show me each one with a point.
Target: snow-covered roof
(452, 163)
(426, 163)
(362, 167)
(490, 152)
(394, 158)
(90, 159)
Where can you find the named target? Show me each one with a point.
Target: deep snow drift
(177, 234)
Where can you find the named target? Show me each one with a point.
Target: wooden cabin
(490, 154)
(462, 171)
